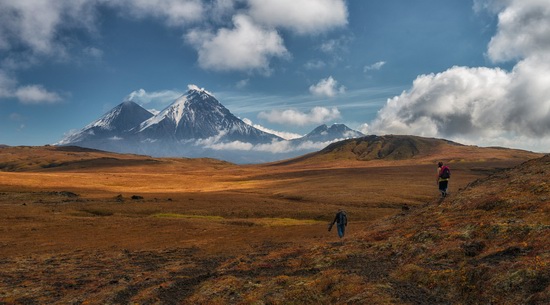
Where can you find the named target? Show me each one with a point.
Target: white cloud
(28, 94)
(522, 30)
(485, 106)
(246, 47)
(162, 97)
(172, 12)
(301, 16)
(275, 147)
(35, 24)
(458, 101)
(250, 45)
(235, 145)
(375, 66)
(36, 94)
(317, 115)
(364, 128)
(283, 134)
(221, 9)
(327, 87)
(215, 143)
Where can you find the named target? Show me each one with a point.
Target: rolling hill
(411, 149)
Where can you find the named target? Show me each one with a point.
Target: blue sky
(476, 72)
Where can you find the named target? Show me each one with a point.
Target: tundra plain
(80, 226)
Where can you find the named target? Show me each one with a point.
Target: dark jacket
(341, 218)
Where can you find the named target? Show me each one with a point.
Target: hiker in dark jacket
(341, 220)
(443, 175)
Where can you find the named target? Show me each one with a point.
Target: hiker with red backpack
(443, 175)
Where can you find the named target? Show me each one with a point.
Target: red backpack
(445, 172)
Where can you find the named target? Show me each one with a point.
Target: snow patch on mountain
(173, 113)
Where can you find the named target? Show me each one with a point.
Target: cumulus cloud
(28, 94)
(249, 45)
(283, 134)
(30, 32)
(254, 40)
(485, 106)
(364, 128)
(246, 47)
(36, 94)
(327, 87)
(301, 16)
(162, 97)
(34, 24)
(522, 30)
(453, 102)
(317, 115)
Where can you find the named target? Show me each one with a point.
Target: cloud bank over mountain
(485, 105)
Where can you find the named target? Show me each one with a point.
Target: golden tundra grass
(164, 231)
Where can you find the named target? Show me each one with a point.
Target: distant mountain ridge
(324, 133)
(196, 125)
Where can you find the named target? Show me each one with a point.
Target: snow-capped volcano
(115, 124)
(196, 125)
(199, 115)
(333, 133)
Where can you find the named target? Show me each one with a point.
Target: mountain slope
(195, 125)
(113, 125)
(487, 244)
(333, 133)
(199, 115)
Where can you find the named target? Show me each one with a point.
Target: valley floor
(154, 234)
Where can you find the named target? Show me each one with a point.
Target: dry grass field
(80, 226)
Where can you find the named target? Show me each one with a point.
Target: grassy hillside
(488, 244)
(62, 158)
(414, 149)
